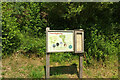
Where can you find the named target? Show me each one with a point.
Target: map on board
(60, 41)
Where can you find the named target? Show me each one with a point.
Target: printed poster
(60, 41)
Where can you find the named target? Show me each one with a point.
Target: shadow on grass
(72, 69)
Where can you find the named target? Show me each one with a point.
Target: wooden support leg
(47, 65)
(80, 65)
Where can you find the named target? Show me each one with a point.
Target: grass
(20, 66)
(37, 72)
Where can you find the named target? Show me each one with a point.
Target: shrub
(100, 46)
(23, 27)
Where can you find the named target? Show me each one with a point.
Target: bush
(100, 46)
(23, 27)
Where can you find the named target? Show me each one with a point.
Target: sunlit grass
(20, 66)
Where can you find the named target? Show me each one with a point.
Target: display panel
(60, 41)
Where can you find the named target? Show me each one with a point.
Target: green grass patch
(3, 73)
(37, 72)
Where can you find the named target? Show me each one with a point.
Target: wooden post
(80, 65)
(47, 56)
(47, 65)
(79, 48)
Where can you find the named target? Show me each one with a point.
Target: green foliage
(24, 24)
(9, 29)
(22, 28)
(100, 46)
(61, 57)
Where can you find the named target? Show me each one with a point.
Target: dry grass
(20, 66)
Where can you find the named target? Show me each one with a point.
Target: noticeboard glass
(60, 41)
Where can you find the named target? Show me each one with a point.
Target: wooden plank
(80, 65)
(47, 29)
(82, 41)
(59, 51)
(47, 65)
(47, 55)
(61, 30)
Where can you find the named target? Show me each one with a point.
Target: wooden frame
(58, 31)
(76, 32)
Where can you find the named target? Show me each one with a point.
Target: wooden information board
(64, 41)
